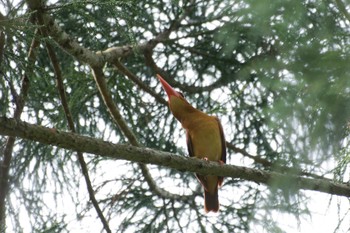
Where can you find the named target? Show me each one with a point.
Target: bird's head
(177, 103)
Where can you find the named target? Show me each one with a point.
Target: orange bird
(205, 140)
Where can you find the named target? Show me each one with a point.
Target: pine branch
(8, 148)
(63, 39)
(71, 141)
(269, 165)
(118, 118)
(2, 40)
(111, 106)
(139, 83)
(96, 62)
(94, 59)
(71, 126)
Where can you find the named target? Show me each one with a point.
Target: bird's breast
(205, 138)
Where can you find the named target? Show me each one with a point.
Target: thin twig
(149, 61)
(119, 120)
(111, 107)
(63, 97)
(96, 62)
(8, 149)
(272, 166)
(100, 80)
(257, 159)
(139, 83)
(2, 40)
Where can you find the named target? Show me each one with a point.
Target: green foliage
(275, 72)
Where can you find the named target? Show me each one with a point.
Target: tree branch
(96, 62)
(63, 39)
(63, 97)
(71, 141)
(139, 83)
(99, 58)
(257, 159)
(269, 165)
(117, 117)
(2, 40)
(8, 148)
(111, 107)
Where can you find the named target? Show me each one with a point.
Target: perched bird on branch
(205, 140)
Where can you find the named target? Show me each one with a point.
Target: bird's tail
(211, 201)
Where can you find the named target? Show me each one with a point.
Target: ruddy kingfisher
(205, 140)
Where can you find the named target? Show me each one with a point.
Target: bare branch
(85, 55)
(71, 141)
(189, 88)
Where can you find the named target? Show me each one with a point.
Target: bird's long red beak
(169, 90)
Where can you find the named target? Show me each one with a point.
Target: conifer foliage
(77, 73)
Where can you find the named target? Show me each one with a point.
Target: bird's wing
(189, 144)
(223, 150)
(201, 178)
(223, 142)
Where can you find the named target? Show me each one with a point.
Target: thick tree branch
(71, 141)
(99, 58)
(112, 108)
(96, 62)
(63, 39)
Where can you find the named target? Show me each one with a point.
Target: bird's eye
(181, 94)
